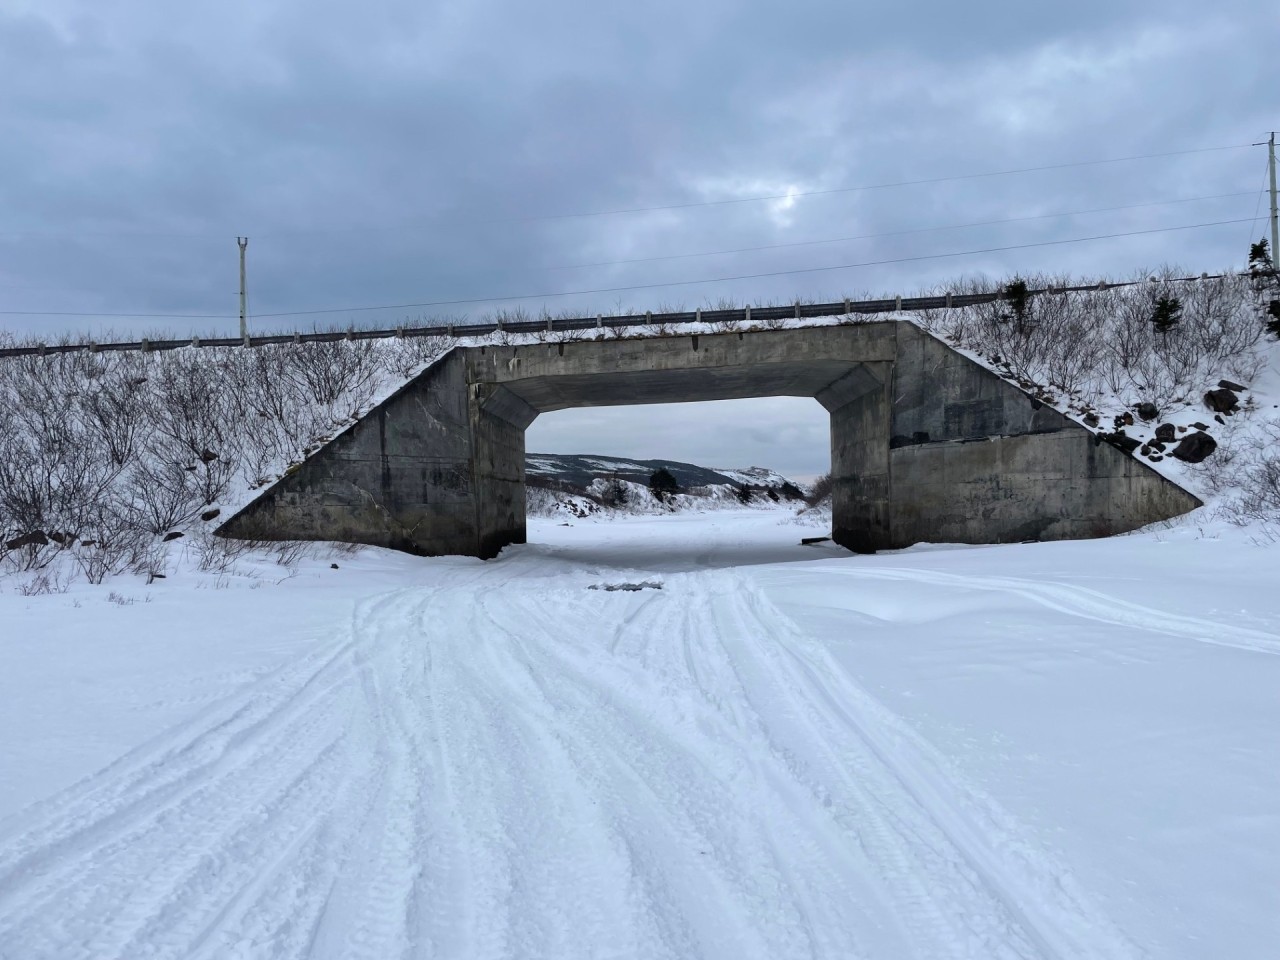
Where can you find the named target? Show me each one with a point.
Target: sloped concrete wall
(402, 477)
(973, 459)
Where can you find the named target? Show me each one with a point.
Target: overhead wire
(900, 233)
(619, 211)
(749, 276)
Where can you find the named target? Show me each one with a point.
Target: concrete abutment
(926, 445)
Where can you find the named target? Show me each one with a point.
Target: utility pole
(243, 242)
(1275, 217)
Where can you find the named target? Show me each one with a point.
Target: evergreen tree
(1018, 298)
(614, 493)
(1261, 266)
(1166, 314)
(663, 483)
(1266, 286)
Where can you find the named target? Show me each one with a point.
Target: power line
(419, 225)
(900, 233)
(750, 276)
(872, 186)
(637, 286)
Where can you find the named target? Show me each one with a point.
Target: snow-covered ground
(1062, 750)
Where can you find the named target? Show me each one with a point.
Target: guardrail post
(897, 303)
(40, 350)
(697, 315)
(195, 341)
(144, 344)
(648, 316)
(746, 315)
(399, 333)
(449, 328)
(350, 334)
(246, 341)
(848, 307)
(93, 347)
(797, 311)
(550, 325)
(948, 300)
(599, 321)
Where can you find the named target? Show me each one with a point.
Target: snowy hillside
(580, 485)
(579, 471)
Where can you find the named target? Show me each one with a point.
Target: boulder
(1091, 419)
(1120, 441)
(171, 535)
(1165, 433)
(1231, 385)
(210, 514)
(1194, 447)
(1221, 400)
(1147, 411)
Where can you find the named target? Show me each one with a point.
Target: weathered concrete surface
(926, 445)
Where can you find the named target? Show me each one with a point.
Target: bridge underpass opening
(790, 436)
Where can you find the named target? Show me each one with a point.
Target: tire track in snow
(960, 900)
(1085, 603)
(507, 764)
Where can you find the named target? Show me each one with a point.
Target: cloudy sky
(411, 151)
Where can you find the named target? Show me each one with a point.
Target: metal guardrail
(745, 315)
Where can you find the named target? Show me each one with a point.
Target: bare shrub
(821, 490)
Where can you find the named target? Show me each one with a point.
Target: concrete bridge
(926, 445)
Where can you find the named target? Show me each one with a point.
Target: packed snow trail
(505, 763)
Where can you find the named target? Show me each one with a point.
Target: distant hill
(577, 472)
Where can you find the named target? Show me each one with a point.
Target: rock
(207, 456)
(1158, 445)
(1218, 417)
(333, 566)
(1155, 458)
(1146, 449)
(1091, 419)
(1194, 447)
(1231, 385)
(171, 535)
(1120, 441)
(1221, 401)
(210, 514)
(1165, 433)
(1198, 425)
(156, 576)
(1127, 419)
(1147, 411)
(35, 538)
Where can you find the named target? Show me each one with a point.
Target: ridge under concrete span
(926, 445)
